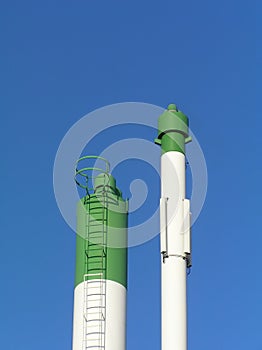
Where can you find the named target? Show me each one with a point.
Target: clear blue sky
(61, 59)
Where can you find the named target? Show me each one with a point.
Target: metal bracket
(186, 257)
(164, 256)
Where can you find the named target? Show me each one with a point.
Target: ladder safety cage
(83, 176)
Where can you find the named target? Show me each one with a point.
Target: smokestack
(101, 268)
(174, 228)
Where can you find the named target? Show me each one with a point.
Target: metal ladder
(95, 287)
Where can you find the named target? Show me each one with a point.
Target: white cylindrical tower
(174, 229)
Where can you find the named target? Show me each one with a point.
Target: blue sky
(63, 59)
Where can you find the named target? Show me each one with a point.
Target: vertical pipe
(173, 132)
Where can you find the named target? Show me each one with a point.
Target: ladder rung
(95, 347)
(95, 333)
(97, 219)
(108, 200)
(95, 307)
(95, 256)
(95, 223)
(89, 295)
(101, 242)
(96, 320)
(95, 268)
(96, 234)
(97, 208)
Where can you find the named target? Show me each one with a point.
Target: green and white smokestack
(101, 268)
(174, 228)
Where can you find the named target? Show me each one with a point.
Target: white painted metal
(163, 225)
(187, 227)
(173, 267)
(97, 316)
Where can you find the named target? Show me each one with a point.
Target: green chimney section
(101, 239)
(172, 130)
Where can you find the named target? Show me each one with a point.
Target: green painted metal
(99, 214)
(172, 130)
